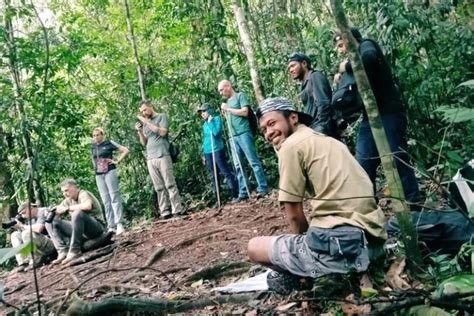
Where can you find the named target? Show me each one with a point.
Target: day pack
(252, 118)
(346, 99)
(174, 152)
(252, 122)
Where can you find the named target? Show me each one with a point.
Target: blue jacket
(212, 129)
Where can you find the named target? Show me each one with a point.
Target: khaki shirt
(82, 197)
(324, 167)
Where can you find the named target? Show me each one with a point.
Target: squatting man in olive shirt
(342, 234)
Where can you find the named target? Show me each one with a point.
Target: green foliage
(443, 266)
(24, 250)
(185, 49)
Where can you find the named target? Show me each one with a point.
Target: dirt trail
(204, 239)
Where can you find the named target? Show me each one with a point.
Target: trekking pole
(239, 163)
(216, 181)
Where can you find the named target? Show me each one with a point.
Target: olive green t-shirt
(239, 124)
(85, 196)
(324, 167)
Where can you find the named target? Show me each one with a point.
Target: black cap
(282, 104)
(299, 57)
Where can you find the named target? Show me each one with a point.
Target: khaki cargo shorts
(321, 251)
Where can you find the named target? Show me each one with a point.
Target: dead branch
(190, 241)
(155, 256)
(18, 288)
(216, 271)
(160, 307)
(91, 256)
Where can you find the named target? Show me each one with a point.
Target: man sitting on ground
(85, 210)
(43, 245)
(346, 227)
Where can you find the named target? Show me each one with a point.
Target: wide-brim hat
(282, 104)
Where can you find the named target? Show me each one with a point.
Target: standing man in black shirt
(315, 93)
(392, 113)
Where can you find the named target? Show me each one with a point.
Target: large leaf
(456, 115)
(469, 83)
(7, 253)
(463, 283)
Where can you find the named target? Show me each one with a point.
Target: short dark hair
(146, 103)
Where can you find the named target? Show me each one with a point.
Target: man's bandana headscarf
(281, 104)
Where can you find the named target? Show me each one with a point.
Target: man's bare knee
(258, 249)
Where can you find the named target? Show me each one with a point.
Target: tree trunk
(402, 212)
(222, 49)
(8, 206)
(35, 191)
(131, 38)
(245, 38)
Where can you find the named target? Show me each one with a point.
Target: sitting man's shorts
(322, 251)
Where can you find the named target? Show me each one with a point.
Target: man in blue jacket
(213, 145)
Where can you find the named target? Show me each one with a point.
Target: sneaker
(71, 256)
(120, 229)
(111, 230)
(60, 258)
(262, 194)
(21, 268)
(282, 283)
(239, 199)
(166, 214)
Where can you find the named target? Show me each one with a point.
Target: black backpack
(252, 122)
(252, 118)
(441, 231)
(346, 99)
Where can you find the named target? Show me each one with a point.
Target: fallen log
(159, 307)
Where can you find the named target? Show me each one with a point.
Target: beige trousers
(161, 173)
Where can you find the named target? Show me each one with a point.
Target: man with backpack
(152, 130)
(315, 94)
(391, 110)
(237, 111)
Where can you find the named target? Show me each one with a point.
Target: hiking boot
(60, 258)
(71, 256)
(282, 283)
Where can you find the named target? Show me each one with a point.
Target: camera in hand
(13, 222)
(50, 215)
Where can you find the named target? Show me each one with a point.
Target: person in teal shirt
(237, 111)
(212, 142)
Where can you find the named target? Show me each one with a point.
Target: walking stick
(239, 163)
(215, 170)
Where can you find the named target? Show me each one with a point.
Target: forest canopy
(70, 66)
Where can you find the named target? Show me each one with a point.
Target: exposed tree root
(159, 307)
(216, 271)
(91, 256)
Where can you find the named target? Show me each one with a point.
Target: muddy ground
(205, 239)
